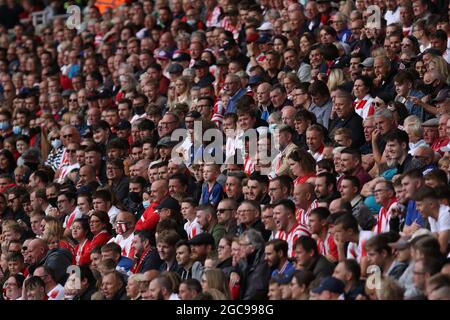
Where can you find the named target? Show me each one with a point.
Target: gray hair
(255, 238)
(385, 113)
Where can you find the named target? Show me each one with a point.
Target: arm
(376, 151)
(443, 238)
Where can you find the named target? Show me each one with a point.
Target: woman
(306, 42)
(280, 43)
(171, 96)
(300, 283)
(421, 33)
(363, 102)
(421, 68)
(53, 234)
(290, 81)
(82, 234)
(224, 255)
(133, 286)
(302, 165)
(400, 112)
(183, 89)
(410, 46)
(335, 79)
(215, 279)
(12, 288)
(100, 228)
(7, 163)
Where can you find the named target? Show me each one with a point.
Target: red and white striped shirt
(249, 166)
(290, 237)
(356, 250)
(302, 215)
(364, 107)
(328, 247)
(192, 228)
(384, 216)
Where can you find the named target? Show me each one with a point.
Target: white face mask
(56, 143)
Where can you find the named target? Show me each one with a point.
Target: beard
(392, 163)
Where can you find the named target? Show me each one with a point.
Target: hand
(375, 135)
(414, 100)
(54, 212)
(234, 279)
(415, 226)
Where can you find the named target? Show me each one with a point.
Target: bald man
(58, 259)
(125, 223)
(305, 200)
(158, 192)
(87, 178)
(288, 116)
(425, 155)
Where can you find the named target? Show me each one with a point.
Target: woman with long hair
(100, 228)
(53, 234)
(215, 279)
(82, 234)
(7, 163)
(302, 166)
(183, 87)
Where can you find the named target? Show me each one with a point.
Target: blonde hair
(390, 289)
(441, 66)
(413, 126)
(215, 278)
(335, 79)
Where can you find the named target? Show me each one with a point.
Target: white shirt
(392, 16)
(443, 221)
(414, 146)
(112, 213)
(124, 243)
(192, 228)
(57, 293)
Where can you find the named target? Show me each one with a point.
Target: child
(212, 191)
(16, 263)
(191, 227)
(343, 137)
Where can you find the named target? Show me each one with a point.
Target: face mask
(428, 88)
(56, 143)
(135, 197)
(53, 202)
(4, 125)
(139, 110)
(35, 130)
(272, 127)
(17, 130)
(121, 228)
(146, 204)
(191, 22)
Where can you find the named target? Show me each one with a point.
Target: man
(424, 269)
(146, 257)
(325, 187)
(321, 102)
(202, 245)
(255, 274)
(350, 192)
(68, 210)
(351, 166)
(113, 286)
(207, 219)
(189, 289)
(58, 259)
(112, 251)
(124, 228)
(39, 201)
(276, 256)
(330, 289)
(280, 188)
(117, 180)
(233, 186)
(384, 75)
(319, 227)
(165, 244)
(412, 181)
(54, 290)
(385, 196)
(102, 201)
(258, 188)
(265, 106)
(160, 288)
(159, 190)
(289, 229)
(305, 200)
(397, 152)
(438, 215)
(249, 217)
(87, 181)
(431, 133)
(349, 272)
(307, 257)
(134, 202)
(233, 88)
(347, 118)
(315, 139)
(384, 123)
(443, 139)
(279, 98)
(286, 135)
(168, 124)
(226, 214)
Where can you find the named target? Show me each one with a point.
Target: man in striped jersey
(318, 225)
(289, 229)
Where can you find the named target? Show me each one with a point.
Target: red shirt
(149, 218)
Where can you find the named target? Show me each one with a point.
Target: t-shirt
(443, 221)
(290, 237)
(413, 215)
(57, 293)
(192, 228)
(356, 250)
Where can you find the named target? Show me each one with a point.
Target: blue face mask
(272, 127)
(56, 143)
(4, 125)
(146, 204)
(17, 130)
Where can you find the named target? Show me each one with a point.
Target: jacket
(255, 277)
(58, 260)
(320, 267)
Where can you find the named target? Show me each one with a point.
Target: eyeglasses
(12, 200)
(73, 100)
(379, 190)
(71, 150)
(166, 124)
(221, 247)
(67, 136)
(223, 210)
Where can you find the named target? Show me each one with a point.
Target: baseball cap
(162, 55)
(400, 244)
(92, 96)
(443, 95)
(202, 238)
(330, 284)
(266, 26)
(175, 68)
(367, 63)
(166, 142)
(66, 93)
(200, 64)
(434, 122)
(123, 125)
(169, 203)
(181, 56)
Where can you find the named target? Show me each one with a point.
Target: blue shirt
(212, 196)
(322, 113)
(288, 269)
(231, 106)
(412, 215)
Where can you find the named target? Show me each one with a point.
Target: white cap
(266, 26)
